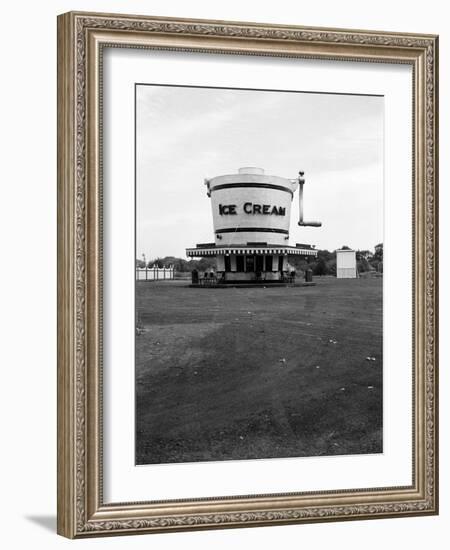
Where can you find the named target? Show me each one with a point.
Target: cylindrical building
(251, 206)
(251, 216)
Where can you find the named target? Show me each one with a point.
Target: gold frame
(81, 37)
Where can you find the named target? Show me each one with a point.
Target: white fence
(154, 273)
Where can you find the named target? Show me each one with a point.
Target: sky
(187, 134)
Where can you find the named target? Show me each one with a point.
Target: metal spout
(301, 222)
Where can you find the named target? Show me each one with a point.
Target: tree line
(323, 264)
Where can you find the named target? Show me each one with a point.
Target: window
(249, 263)
(280, 263)
(269, 263)
(259, 263)
(240, 263)
(227, 263)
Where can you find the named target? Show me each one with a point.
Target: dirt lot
(246, 373)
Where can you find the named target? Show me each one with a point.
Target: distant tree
(326, 255)
(345, 247)
(363, 255)
(140, 263)
(323, 264)
(377, 259)
(182, 265)
(206, 263)
(299, 263)
(321, 267)
(378, 252)
(363, 265)
(167, 261)
(331, 266)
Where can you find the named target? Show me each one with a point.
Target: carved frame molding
(81, 37)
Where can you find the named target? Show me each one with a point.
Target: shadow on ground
(46, 522)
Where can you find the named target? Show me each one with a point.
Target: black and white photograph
(259, 274)
(223, 235)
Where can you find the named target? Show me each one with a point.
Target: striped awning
(226, 250)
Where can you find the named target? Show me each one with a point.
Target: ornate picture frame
(82, 38)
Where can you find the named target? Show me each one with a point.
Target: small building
(251, 216)
(346, 264)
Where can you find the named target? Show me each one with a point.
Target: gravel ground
(226, 374)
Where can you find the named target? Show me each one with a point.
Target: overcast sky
(187, 134)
